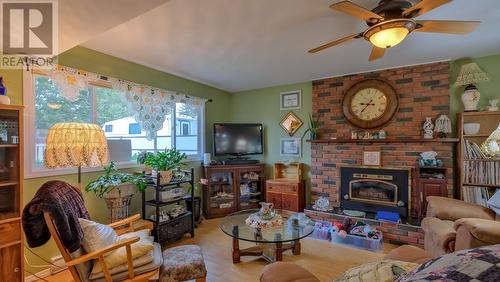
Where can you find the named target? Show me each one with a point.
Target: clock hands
(368, 104)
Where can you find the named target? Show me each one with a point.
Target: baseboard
(42, 274)
(58, 265)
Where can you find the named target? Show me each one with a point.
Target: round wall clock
(370, 103)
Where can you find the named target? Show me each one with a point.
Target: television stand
(239, 161)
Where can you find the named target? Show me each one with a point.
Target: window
(134, 128)
(107, 107)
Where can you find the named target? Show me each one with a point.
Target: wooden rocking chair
(81, 264)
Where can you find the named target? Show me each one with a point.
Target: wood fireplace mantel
(387, 140)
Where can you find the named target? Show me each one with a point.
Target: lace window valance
(150, 104)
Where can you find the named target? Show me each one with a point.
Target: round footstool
(286, 272)
(182, 263)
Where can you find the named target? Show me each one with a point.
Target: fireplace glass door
(374, 191)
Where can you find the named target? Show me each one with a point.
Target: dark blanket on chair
(65, 205)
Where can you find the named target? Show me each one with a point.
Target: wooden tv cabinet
(232, 188)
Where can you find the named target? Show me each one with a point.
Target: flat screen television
(237, 139)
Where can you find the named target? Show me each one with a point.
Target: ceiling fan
(392, 20)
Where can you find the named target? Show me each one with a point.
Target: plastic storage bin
(374, 245)
(321, 230)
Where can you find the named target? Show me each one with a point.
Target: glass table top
(294, 227)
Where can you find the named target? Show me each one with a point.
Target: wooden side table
(428, 184)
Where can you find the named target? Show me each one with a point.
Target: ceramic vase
(428, 128)
(4, 99)
(470, 98)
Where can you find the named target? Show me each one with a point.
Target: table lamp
(470, 74)
(75, 145)
(492, 144)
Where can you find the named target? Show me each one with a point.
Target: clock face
(369, 104)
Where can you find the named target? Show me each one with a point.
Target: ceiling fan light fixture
(389, 33)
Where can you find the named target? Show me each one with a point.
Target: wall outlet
(58, 264)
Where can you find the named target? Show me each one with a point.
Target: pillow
(478, 264)
(96, 236)
(494, 202)
(119, 256)
(381, 271)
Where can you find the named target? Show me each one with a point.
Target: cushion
(120, 273)
(119, 256)
(96, 235)
(494, 202)
(478, 264)
(286, 272)
(182, 263)
(381, 271)
(408, 253)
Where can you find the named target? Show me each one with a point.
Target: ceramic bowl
(471, 128)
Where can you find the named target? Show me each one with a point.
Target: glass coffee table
(271, 242)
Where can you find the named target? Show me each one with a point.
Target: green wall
(260, 105)
(489, 90)
(93, 61)
(263, 106)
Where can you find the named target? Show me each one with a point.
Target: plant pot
(313, 135)
(146, 169)
(165, 176)
(118, 202)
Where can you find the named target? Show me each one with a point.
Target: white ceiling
(237, 45)
(81, 20)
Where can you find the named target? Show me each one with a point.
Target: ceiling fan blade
(453, 27)
(423, 7)
(335, 42)
(377, 53)
(356, 11)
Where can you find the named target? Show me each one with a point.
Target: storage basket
(374, 245)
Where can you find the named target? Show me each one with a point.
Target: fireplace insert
(375, 189)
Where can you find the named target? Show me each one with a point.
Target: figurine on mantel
(428, 128)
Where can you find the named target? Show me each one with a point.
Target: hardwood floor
(326, 260)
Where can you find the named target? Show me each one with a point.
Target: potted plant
(141, 160)
(164, 164)
(117, 189)
(313, 127)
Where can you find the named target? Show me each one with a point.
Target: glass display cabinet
(230, 188)
(11, 248)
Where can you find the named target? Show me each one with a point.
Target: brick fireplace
(423, 91)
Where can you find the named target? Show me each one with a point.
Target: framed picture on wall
(371, 158)
(290, 147)
(291, 100)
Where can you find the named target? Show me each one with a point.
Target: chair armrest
(442, 233)
(452, 209)
(484, 230)
(409, 253)
(103, 251)
(126, 221)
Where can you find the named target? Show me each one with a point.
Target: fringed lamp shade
(492, 144)
(471, 74)
(75, 145)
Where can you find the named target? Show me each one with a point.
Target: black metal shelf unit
(173, 229)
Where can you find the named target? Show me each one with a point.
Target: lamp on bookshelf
(492, 144)
(75, 145)
(470, 74)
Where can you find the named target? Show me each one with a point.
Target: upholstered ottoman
(183, 263)
(286, 272)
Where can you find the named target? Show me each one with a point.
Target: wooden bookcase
(11, 193)
(232, 188)
(489, 121)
